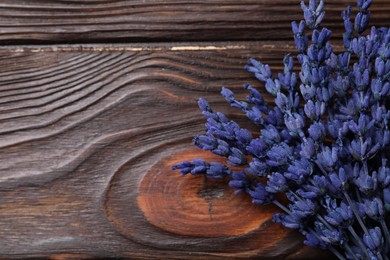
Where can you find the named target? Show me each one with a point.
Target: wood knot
(165, 208)
(194, 205)
(210, 193)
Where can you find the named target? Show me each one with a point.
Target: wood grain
(87, 138)
(102, 21)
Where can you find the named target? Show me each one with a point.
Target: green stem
(356, 213)
(336, 253)
(348, 248)
(387, 234)
(281, 206)
(379, 256)
(331, 248)
(358, 240)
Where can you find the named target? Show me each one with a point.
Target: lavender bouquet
(325, 141)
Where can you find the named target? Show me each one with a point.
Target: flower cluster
(325, 143)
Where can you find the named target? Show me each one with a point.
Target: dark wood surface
(91, 21)
(89, 132)
(88, 136)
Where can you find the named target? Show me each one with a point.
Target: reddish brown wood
(43, 21)
(87, 139)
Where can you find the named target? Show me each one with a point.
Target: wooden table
(98, 101)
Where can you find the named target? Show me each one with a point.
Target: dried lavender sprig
(345, 103)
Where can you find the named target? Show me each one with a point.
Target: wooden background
(98, 101)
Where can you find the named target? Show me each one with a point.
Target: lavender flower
(325, 143)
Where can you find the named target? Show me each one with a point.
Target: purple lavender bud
(258, 168)
(272, 86)
(270, 135)
(305, 74)
(317, 131)
(287, 138)
(303, 208)
(240, 181)
(275, 117)
(308, 148)
(310, 110)
(204, 105)
(236, 158)
(217, 171)
(379, 139)
(256, 98)
(205, 142)
(380, 67)
(361, 78)
(333, 127)
(184, 167)
(255, 115)
(222, 149)
(279, 155)
(199, 166)
(260, 195)
(329, 236)
(314, 13)
(307, 194)
(298, 29)
(261, 71)
(313, 240)
(315, 75)
(276, 183)
(308, 91)
(367, 183)
(222, 118)
(225, 131)
(283, 102)
(229, 96)
(296, 101)
(373, 208)
(288, 63)
(324, 94)
(357, 45)
(320, 184)
(365, 4)
(299, 170)
(348, 35)
(344, 175)
(289, 221)
(332, 61)
(321, 56)
(380, 89)
(386, 198)
(374, 239)
(316, 56)
(364, 21)
(301, 40)
(324, 36)
(336, 182)
(338, 215)
(314, 37)
(243, 136)
(358, 20)
(340, 85)
(257, 147)
(355, 148)
(327, 157)
(384, 176)
(363, 126)
(294, 123)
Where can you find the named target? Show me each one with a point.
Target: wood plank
(98, 21)
(87, 138)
